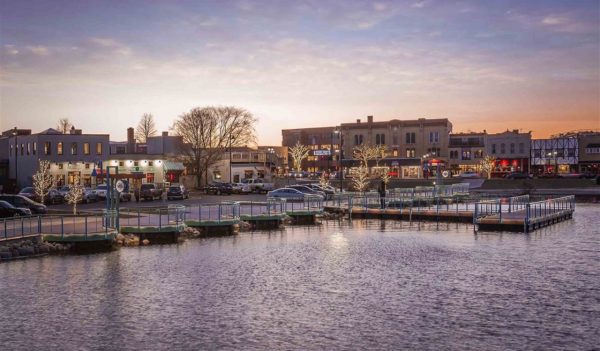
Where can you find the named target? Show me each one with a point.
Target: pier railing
(215, 212)
(62, 226)
(161, 218)
(541, 210)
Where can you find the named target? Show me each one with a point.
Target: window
(410, 138)
(395, 152)
(28, 148)
(150, 163)
(502, 148)
(521, 148)
(356, 140)
(120, 163)
(73, 148)
(34, 148)
(512, 148)
(60, 166)
(150, 177)
(395, 139)
(87, 166)
(380, 139)
(86, 148)
(136, 163)
(410, 152)
(537, 153)
(434, 137)
(98, 148)
(22, 149)
(494, 149)
(59, 148)
(47, 148)
(466, 155)
(478, 154)
(11, 150)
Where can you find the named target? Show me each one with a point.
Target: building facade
(72, 156)
(465, 152)
(246, 163)
(511, 151)
(555, 155)
(589, 152)
(414, 147)
(323, 142)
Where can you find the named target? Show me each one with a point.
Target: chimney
(165, 134)
(370, 119)
(358, 120)
(130, 141)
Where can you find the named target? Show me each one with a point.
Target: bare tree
(146, 128)
(42, 180)
(64, 125)
(75, 194)
(209, 131)
(299, 152)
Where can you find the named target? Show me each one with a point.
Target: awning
(173, 166)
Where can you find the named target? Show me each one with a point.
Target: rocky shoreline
(29, 249)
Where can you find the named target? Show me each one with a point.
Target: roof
(592, 145)
(50, 131)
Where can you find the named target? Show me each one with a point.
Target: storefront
(403, 168)
(504, 166)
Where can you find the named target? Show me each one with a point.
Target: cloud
(419, 4)
(38, 50)
(11, 49)
(553, 20)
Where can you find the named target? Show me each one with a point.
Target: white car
(240, 188)
(469, 174)
(101, 191)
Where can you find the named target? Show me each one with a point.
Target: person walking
(382, 193)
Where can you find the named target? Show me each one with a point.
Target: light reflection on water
(342, 285)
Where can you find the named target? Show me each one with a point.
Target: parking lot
(195, 198)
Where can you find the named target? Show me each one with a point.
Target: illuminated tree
(487, 165)
(364, 153)
(75, 194)
(299, 152)
(42, 180)
(323, 181)
(360, 179)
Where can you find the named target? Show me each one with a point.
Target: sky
(493, 65)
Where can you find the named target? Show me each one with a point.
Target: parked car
(23, 202)
(240, 188)
(64, 190)
(307, 190)
(177, 192)
(148, 191)
(258, 185)
(101, 191)
(218, 188)
(289, 194)
(125, 196)
(54, 197)
(28, 192)
(469, 175)
(549, 175)
(89, 195)
(517, 175)
(327, 190)
(7, 210)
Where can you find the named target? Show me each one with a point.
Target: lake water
(341, 285)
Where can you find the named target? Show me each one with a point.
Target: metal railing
(163, 218)
(540, 210)
(216, 212)
(83, 226)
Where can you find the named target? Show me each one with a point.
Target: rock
(146, 242)
(120, 237)
(5, 255)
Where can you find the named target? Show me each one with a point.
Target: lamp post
(230, 171)
(338, 132)
(15, 133)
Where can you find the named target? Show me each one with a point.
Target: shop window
(149, 177)
(248, 174)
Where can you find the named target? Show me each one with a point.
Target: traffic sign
(120, 186)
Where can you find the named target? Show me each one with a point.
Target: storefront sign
(322, 153)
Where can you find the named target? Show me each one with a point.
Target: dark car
(8, 210)
(177, 192)
(22, 201)
(219, 188)
(517, 175)
(148, 191)
(28, 192)
(54, 197)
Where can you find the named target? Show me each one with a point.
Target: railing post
(159, 219)
(62, 227)
(5, 230)
(527, 216)
(138, 218)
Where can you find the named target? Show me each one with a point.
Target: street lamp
(338, 132)
(15, 133)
